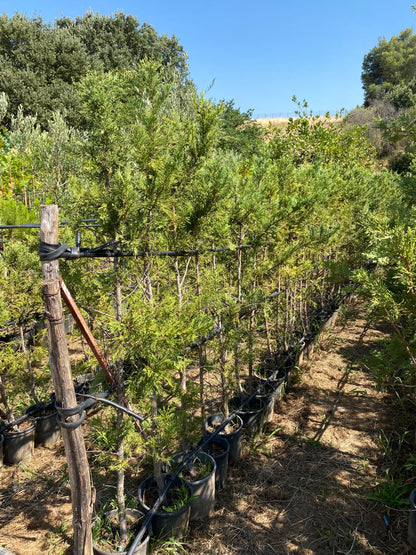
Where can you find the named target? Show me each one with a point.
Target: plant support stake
(79, 473)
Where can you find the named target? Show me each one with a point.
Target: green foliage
(117, 42)
(162, 430)
(20, 279)
(20, 306)
(182, 498)
(40, 62)
(312, 139)
(104, 433)
(14, 212)
(388, 65)
(239, 132)
(390, 289)
(392, 493)
(390, 97)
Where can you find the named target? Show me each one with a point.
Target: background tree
(389, 83)
(38, 66)
(239, 132)
(41, 62)
(389, 69)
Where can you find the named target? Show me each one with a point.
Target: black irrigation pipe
(37, 226)
(15, 422)
(49, 251)
(92, 399)
(293, 352)
(71, 252)
(205, 442)
(96, 398)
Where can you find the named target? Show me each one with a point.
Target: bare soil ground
(301, 487)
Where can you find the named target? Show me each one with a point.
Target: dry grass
(281, 123)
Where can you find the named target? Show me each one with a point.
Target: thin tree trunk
(223, 362)
(267, 330)
(200, 349)
(9, 414)
(179, 284)
(214, 261)
(239, 278)
(157, 463)
(201, 381)
(121, 502)
(29, 365)
(250, 348)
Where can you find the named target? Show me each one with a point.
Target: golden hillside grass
(281, 123)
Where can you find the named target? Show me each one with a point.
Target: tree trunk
(3, 396)
(121, 502)
(29, 365)
(157, 463)
(82, 493)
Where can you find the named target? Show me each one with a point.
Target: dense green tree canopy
(390, 68)
(117, 42)
(40, 62)
(239, 132)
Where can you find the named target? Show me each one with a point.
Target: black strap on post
(48, 252)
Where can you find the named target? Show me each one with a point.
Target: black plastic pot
(48, 430)
(268, 395)
(233, 438)
(271, 391)
(263, 373)
(19, 446)
(219, 449)
(166, 524)
(82, 383)
(252, 413)
(143, 546)
(411, 532)
(204, 489)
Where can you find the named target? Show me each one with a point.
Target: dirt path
(304, 490)
(300, 488)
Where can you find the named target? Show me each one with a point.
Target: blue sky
(263, 52)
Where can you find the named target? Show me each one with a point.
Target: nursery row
(247, 411)
(204, 259)
(188, 490)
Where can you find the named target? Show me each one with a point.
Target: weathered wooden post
(82, 497)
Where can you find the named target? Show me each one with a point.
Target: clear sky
(261, 53)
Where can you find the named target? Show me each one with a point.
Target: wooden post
(79, 473)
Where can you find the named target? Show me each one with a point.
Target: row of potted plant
(191, 495)
(38, 426)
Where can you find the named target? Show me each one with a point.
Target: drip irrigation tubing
(48, 251)
(92, 399)
(96, 398)
(37, 226)
(205, 442)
